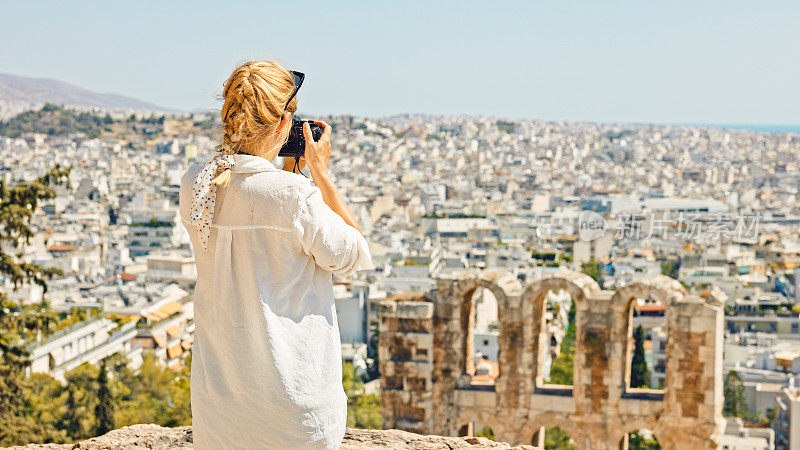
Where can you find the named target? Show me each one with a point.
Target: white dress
(266, 362)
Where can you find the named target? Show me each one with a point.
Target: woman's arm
(316, 157)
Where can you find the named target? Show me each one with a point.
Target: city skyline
(708, 64)
(698, 261)
(571, 225)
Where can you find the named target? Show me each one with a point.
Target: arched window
(477, 430)
(641, 439)
(646, 351)
(553, 438)
(485, 332)
(558, 331)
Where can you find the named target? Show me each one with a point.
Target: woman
(266, 364)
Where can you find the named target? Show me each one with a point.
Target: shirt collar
(246, 163)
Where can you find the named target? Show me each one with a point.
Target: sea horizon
(762, 128)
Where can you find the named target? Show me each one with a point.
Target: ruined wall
(406, 347)
(430, 392)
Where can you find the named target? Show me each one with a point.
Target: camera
(295, 147)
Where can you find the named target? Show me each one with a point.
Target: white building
(153, 229)
(787, 425)
(352, 312)
(172, 269)
(486, 325)
(88, 341)
(739, 437)
(658, 357)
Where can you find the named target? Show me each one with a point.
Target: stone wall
(426, 362)
(406, 338)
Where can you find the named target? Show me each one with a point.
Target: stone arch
(580, 286)
(453, 357)
(714, 296)
(532, 431)
(624, 441)
(506, 290)
(639, 423)
(596, 415)
(664, 289)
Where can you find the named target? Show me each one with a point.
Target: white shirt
(266, 362)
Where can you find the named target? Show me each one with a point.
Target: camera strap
(295, 169)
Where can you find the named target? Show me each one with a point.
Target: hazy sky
(637, 61)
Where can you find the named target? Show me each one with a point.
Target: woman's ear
(286, 120)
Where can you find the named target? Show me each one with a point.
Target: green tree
(733, 390)
(557, 439)
(592, 268)
(640, 441)
(16, 426)
(772, 415)
(486, 432)
(670, 269)
(562, 367)
(363, 410)
(640, 374)
(150, 394)
(43, 400)
(77, 416)
(104, 410)
(350, 381)
(373, 359)
(18, 323)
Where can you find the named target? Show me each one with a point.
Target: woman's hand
(317, 152)
(317, 155)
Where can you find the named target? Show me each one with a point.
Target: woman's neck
(267, 152)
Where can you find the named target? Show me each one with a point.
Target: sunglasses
(298, 81)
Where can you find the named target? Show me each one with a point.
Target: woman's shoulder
(271, 194)
(278, 184)
(187, 179)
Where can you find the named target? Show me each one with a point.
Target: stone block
(554, 403)
(414, 310)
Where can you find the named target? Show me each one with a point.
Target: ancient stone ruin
(426, 362)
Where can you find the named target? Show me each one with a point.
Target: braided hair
(254, 96)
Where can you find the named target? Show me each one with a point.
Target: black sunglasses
(298, 81)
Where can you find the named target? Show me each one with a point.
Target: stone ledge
(149, 436)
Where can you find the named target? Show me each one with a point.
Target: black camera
(295, 147)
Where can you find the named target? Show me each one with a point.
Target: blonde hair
(254, 97)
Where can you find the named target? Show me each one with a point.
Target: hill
(18, 94)
(55, 121)
(140, 128)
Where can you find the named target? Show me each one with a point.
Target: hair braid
(253, 100)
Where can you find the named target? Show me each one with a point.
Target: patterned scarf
(204, 195)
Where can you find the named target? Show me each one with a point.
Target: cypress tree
(733, 390)
(104, 411)
(640, 374)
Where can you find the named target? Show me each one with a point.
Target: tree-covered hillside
(54, 121)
